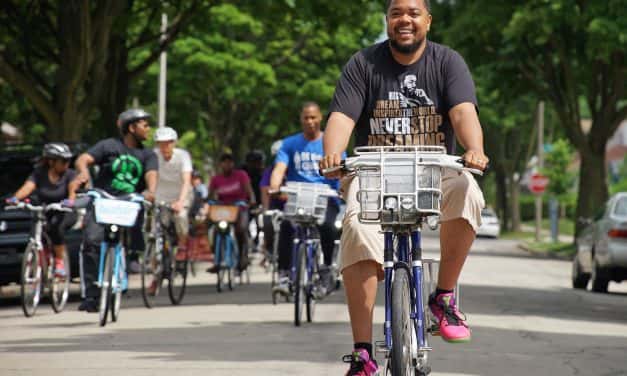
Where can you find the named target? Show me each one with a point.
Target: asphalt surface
(525, 317)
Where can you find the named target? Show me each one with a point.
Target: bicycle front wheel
(219, 245)
(119, 273)
(59, 287)
(31, 280)
(299, 286)
(151, 274)
(178, 276)
(105, 287)
(402, 325)
(310, 299)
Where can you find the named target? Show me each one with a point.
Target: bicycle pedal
(381, 348)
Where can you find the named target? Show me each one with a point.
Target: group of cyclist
(403, 91)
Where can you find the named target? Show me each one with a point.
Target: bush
(528, 206)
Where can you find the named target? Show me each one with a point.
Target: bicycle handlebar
(56, 206)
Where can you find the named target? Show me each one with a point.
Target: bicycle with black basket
(37, 273)
(306, 208)
(399, 188)
(160, 261)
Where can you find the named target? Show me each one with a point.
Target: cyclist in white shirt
(174, 185)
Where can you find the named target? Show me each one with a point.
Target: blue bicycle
(226, 251)
(400, 189)
(117, 214)
(306, 207)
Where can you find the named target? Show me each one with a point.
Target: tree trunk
(593, 190)
(514, 190)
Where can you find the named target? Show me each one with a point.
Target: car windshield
(621, 207)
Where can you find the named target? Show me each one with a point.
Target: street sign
(537, 183)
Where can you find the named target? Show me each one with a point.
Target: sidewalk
(545, 234)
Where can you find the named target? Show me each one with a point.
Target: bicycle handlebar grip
(341, 167)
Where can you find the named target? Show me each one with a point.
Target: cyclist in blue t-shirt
(299, 157)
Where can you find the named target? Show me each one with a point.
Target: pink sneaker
(361, 364)
(452, 322)
(59, 268)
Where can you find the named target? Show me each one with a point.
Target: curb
(546, 255)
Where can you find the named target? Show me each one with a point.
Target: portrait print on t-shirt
(408, 117)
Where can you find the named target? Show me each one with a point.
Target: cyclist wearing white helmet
(174, 186)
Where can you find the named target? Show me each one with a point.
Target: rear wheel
(579, 279)
(151, 274)
(105, 288)
(401, 362)
(59, 286)
(299, 285)
(178, 277)
(31, 280)
(600, 279)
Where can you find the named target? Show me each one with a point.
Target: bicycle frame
(229, 245)
(117, 243)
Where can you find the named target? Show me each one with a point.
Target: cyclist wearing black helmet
(125, 167)
(51, 181)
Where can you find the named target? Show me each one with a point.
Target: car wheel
(580, 279)
(600, 279)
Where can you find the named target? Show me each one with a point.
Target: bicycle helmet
(276, 146)
(255, 156)
(131, 116)
(166, 134)
(56, 150)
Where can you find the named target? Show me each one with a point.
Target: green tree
(69, 58)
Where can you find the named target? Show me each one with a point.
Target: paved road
(526, 320)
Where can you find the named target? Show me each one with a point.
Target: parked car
(490, 224)
(602, 247)
(17, 162)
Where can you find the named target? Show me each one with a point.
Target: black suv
(16, 164)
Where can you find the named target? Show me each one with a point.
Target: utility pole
(540, 165)
(163, 72)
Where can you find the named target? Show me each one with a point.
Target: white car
(490, 224)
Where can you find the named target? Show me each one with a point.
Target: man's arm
(151, 177)
(82, 167)
(278, 173)
(335, 141)
(252, 200)
(469, 134)
(186, 183)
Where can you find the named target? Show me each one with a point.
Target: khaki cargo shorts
(461, 198)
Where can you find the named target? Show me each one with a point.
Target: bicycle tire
(116, 296)
(30, 279)
(59, 288)
(151, 270)
(299, 285)
(310, 301)
(105, 288)
(219, 255)
(176, 291)
(401, 362)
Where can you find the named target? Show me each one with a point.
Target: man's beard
(406, 49)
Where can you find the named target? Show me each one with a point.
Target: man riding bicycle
(298, 158)
(125, 167)
(232, 187)
(174, 184)
(406, 91)
(50, 182)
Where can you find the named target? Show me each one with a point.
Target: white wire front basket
(306, 201)
(399, 184)
(116, 212)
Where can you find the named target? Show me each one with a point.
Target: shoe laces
(453, 316)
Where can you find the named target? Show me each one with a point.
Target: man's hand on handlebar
(475, 159)
(330, 161)
(149, 196)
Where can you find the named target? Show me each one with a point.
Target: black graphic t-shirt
(122, 169)
(394, 104)
(48, 192)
